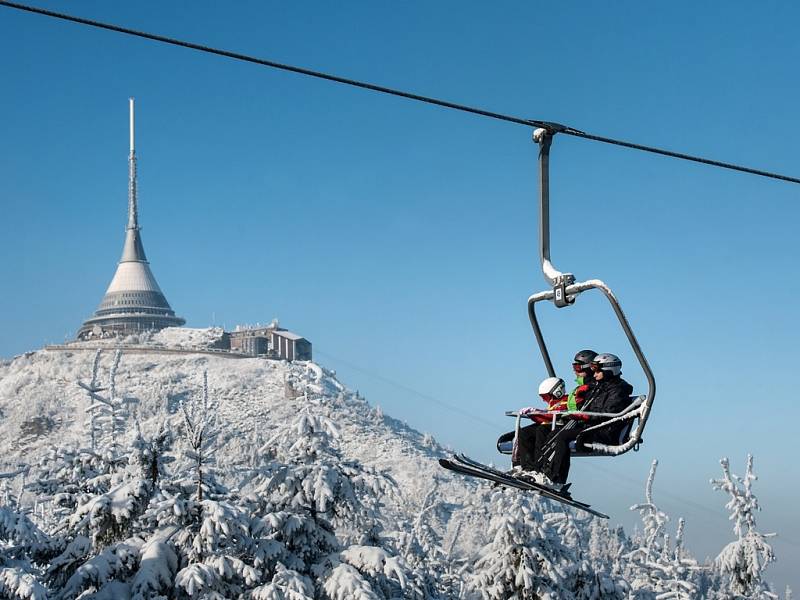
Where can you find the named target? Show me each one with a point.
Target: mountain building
(271, 341)
(133, 301)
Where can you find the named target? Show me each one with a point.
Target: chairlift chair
(564, 290)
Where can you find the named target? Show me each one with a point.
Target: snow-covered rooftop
(288, 335)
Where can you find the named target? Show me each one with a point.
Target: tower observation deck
(133, 301)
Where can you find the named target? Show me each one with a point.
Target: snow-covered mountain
(190, 473)
(42, 404)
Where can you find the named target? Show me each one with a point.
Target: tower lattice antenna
(133, 209)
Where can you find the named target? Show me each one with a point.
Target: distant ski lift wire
(554, 127)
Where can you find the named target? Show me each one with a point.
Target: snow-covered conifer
(22, 546)
(312, 475)
(201, 432)
(430, 570)
(524, 559)
(286, 584)
(573, 533)
(66, 476)
(656, 567)
(604, 551)
(745, 559)
(653, 519)
(17, 584)
(111, 514)
(109, 413)
(157, 567)
(105, 573)
(93, 387)
(22, 538)
(321, 507)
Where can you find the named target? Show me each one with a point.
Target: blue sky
(401, 238)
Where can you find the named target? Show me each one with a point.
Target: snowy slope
(41, 405)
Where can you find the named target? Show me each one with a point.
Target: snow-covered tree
(199, 527)
(745, 559)
(22, 546)
(92, 388)
(431, 572)
(525, 559)
(104, 535)
(585, 579)
(109, 414)
(19, 584)
(605, 550)
(655, 567)
(67, 476)
(201, 432)
(322, 509)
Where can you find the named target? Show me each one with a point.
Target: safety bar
(632, 407)
(595, 449)
(574, 290)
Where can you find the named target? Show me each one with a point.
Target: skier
(523, 457)
(582, 365)
(532, 438)
(610, 394)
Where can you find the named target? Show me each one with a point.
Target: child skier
(531, 439)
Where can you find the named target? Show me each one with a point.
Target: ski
(466, 466)
(464, 459)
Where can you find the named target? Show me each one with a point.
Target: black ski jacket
(609, 395)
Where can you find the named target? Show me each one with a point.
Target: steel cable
(551, 126)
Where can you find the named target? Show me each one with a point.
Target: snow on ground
(185, 337)
(41, 406)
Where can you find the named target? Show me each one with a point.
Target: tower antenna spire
(133, 209)
(133, 301)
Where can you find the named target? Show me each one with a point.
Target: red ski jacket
(571, 402)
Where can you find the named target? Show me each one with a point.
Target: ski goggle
(610, 365)
(555, 393)
(579, 367)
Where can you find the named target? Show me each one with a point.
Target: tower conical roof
(133, 301)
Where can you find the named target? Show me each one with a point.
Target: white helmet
(610, 363)
(554, 386)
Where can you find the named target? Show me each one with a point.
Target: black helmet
(609, 363)
(583, 360)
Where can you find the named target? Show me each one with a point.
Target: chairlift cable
(551, 126)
